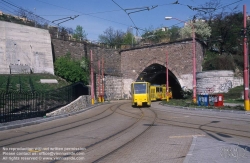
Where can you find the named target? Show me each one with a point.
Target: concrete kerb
(7, 127)
(191, 149)
(205, 109)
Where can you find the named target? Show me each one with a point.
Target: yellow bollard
(246, 104)
(92, 101)
(194, 100)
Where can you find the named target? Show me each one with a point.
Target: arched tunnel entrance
(156, 74)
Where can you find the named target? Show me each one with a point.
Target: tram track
(117, 135)
(125, 144)
(105, 140)
(206, 127)
(110, 138)
(71, 125)
(207, 116)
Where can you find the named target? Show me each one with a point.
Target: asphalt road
(116, 132)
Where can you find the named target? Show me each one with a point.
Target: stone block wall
(112, 59)
(112, 88)
(79, 104)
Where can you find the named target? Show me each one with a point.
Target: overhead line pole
(246, 66)
(92, 78)
(99, 82)
(102, 79)
(167, 92)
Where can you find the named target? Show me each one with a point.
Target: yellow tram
(164, 93)
(143, 93)
(156, 92)
(140, 94)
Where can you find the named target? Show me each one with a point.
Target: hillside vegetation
(29, 82)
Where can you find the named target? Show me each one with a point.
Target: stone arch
(134, 61)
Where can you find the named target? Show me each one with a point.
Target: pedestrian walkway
(233, 104)
(208, 150)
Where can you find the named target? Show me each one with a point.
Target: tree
(201, 28)
(162, 34)
(226, 28)
(79, 33)
(128, 39)
(112, 37)
(174, 33)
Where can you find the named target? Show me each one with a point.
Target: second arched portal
(156, 75)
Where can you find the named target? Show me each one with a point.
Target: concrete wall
(20, 44)
(212, 82)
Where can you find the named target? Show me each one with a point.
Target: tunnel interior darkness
(156, 74)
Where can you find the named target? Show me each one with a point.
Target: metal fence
(16, 105)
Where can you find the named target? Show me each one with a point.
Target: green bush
(71, 70)
(234, 93)
(220, 62)
(214, 61)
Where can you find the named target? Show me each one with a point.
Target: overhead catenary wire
(88, 14)
(2, 7)
(137, 9)
(134, 26)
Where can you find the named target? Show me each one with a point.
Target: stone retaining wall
(79, 104)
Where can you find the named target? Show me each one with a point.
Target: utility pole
(92, 78)
(99, 82)
(246, 66)
(102, 79)
(167, 92)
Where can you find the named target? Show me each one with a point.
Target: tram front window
(140, 88)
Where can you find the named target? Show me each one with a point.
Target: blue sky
(95, 16)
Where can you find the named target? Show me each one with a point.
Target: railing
(15, 105)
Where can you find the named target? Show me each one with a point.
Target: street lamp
(194, 56)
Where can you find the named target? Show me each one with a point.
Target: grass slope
(29, 82)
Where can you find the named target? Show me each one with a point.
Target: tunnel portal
(156, 75)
